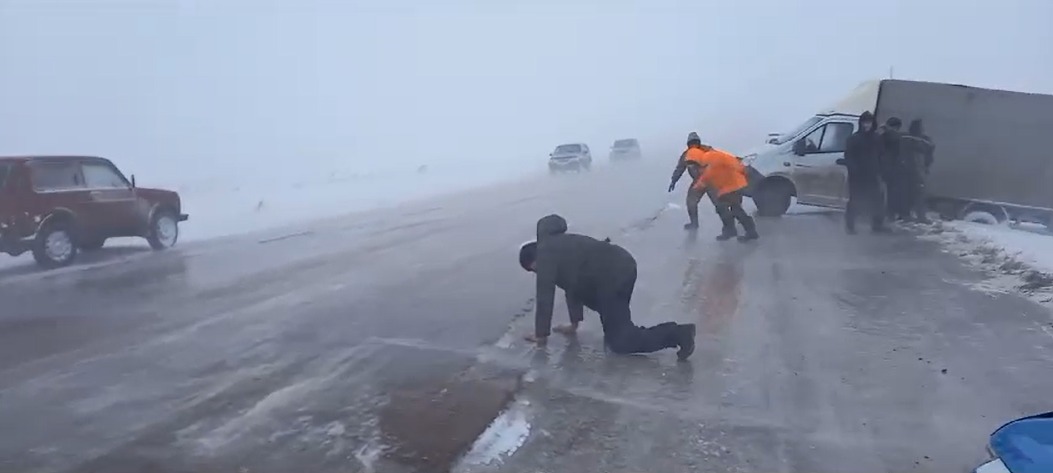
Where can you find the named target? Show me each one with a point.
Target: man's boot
(727, 229)
(692, 216)
(685, 339)
(751, 230)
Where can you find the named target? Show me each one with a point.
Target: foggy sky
(219, 85)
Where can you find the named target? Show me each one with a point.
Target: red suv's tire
(54, 246)
(164, 230)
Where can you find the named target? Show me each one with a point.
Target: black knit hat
(527, 254)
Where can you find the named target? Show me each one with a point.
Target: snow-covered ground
(1018, 258)
(234, 207)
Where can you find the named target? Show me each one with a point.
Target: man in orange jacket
(723, 174)
(695, 193)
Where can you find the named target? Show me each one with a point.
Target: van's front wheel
(773, 198)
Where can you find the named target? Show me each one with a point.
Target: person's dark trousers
(731, 204)
(898, 196)
(694, 196)
(917, 202)
(727, 219)
(864, 197)
(619, 332)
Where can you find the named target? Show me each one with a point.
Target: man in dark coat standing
(863, 154)
(595, 274)
(895, 170)
(917, 150)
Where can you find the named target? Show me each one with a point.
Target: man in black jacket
(598, 275)
(863, 154)
(894, 170)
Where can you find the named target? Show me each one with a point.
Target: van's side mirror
(133, 181)
(798, 147)
(773, 140)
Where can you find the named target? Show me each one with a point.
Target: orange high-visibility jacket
(721, 170)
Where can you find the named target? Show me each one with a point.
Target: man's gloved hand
(672, 185)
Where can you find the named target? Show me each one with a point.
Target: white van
(992, 161)
(803, 162)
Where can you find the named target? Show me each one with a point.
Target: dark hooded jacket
(863, 153)
(917, 151)
(891, 155)
(682, 165)
(585, 268)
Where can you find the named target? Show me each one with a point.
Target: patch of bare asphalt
(430, 426)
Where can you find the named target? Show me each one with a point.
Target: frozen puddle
(506, 434)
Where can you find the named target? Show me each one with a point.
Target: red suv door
(113, 201)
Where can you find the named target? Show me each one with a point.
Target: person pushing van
(720, 174)
(695, 192)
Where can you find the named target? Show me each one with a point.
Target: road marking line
(286, 237)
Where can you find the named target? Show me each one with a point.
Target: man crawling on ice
(598, 275)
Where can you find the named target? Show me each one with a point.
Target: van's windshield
(797, 131)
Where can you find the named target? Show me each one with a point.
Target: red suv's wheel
(54, 246)
(164, 230)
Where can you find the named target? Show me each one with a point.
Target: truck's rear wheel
(985, 214)
(773, 198)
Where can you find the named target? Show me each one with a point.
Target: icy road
(390, 342)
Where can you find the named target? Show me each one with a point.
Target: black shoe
(749, 237)
(691, 226)
(686, 341)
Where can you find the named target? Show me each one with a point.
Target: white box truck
(993, 159)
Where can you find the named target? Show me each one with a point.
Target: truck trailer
(993, 160)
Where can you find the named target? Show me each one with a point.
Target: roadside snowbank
(242, 207)
(1017, 259)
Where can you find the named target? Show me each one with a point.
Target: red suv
(56, 205)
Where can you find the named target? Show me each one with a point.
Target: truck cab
(802, 163)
